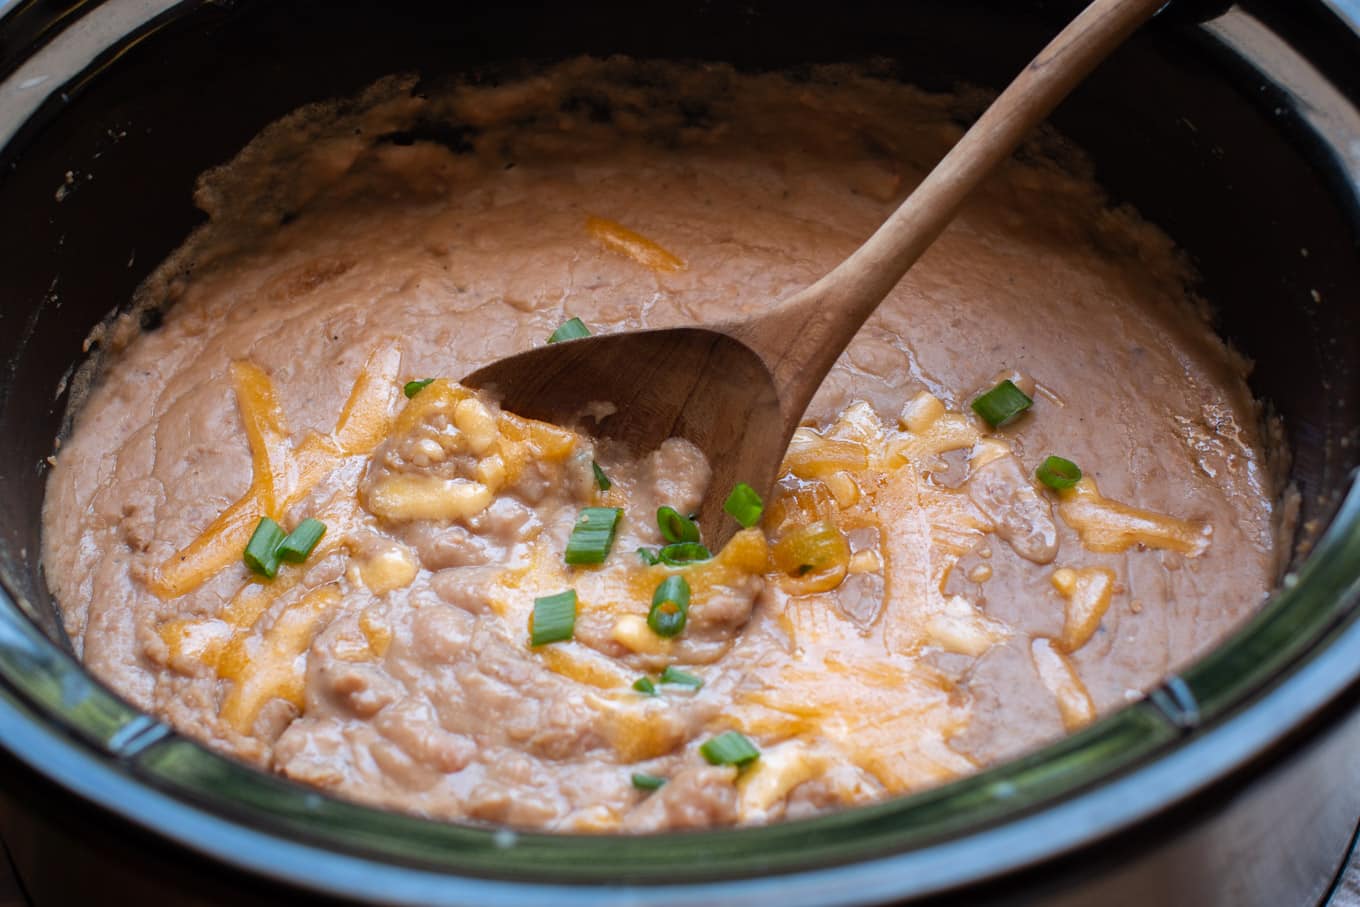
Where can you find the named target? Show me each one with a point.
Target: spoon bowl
(640, 388)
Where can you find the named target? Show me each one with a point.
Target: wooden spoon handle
(800, 338)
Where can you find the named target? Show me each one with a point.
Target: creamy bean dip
(920, 597)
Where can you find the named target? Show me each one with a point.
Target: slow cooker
(1235, 129)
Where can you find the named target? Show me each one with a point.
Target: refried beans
(912, 604)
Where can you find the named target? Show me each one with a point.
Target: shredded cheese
(280, 475)
(1088, 592)
(1106, 525)
(618, 238)
(1060, 677)
(272, 668)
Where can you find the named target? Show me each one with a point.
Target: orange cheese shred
(618, 238)
(270, 668)
(1088, 591)
(367, 416)
(225, 538)
(1060, 677)
(282, 475)
(1109, 526)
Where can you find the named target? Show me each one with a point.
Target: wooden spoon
(738, 389)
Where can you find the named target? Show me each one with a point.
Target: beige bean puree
(914, 604)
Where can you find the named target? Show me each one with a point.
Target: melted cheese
(367, 415)
(923, 447)
(1106, 525)
(226, 537)
(394, 567)
(280, 476)
(618, 238)
(405, 498)
(812, 456)
(891, 719)
(1060, 677)
(629, 591)
(631, 632)
(376, 632)
(638, 727)
(773, 776)
(1088, 592)
(957, 626)
(583, 665)
(271, 666)
(505, 444)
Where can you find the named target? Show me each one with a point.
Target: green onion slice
(670, 607)
(645, 685)
(601, 480)
(744, 505)
(675, 526)
(1002, 404)
(730, 748)
(554, 618)
(414, 387)
(262, 551)
(573, 329)
(648, 557)
(676, 677)
(593, 535)
(1057, 473)
(683, 553)
(643, 781)
(302, 540)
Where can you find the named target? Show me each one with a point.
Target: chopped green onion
(1057, 473)
(573, 329)
(1002, 403)
(414, 387)
(731, 748)
(675, 526)
(670, 607)
(302, 540)
(262, 551)
(676, 677)
(647, 782)
(554, 618)
(744, 505)
(601, 480)
(645, 685)
(593, 535)
(682, 553)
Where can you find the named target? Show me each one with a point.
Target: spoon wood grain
(738, 389)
